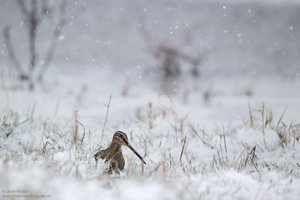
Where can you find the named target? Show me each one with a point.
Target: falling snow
(207, 92)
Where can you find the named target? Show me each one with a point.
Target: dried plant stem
(278, 123)
(106, 116)
(83, 131)
(75, 130)
(182, 149)
(263, 117)
(263, 122)
(251, 116)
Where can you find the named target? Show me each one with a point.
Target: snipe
(113, 154)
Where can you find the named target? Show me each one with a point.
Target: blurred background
(196, 52)
(208, 92)
(255, 38)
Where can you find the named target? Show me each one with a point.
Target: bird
(113, 154)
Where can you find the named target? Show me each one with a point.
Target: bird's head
(122, 139)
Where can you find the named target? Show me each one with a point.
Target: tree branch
(23, 8)
(54, 39)
(33, 25)
(12, 55)
(63, 20)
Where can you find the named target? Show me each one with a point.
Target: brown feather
(113, 154)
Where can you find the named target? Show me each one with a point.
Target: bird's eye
(124, 138)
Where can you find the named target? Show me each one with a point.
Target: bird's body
(113, 154)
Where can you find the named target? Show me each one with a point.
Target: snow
(198, 138)
(207, 169)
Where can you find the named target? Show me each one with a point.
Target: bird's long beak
(136, 153)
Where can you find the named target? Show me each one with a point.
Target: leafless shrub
(34, 14)
(171, 59)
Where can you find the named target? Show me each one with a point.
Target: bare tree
(170, 57)
(34, 12)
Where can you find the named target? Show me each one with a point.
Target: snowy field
(232, 133)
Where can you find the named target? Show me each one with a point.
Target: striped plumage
(113, 154)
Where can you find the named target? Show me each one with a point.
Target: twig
(281, 118)
(106, 116)
(202, 140)
(182, 149)
(263, 118)
(263, 123)
(83, 131)
(45, 145)
(225, 146)
(75, 130)
(220, 159)
(251, 116)
(33, 26)
(252, 154)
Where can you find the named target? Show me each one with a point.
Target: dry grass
(66, 151)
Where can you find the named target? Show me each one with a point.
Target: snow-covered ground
(39, 154)
(233, 133)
